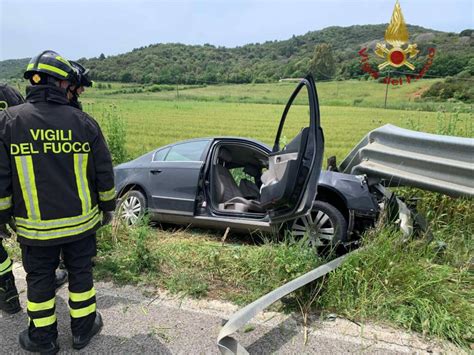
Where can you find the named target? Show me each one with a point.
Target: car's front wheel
(324, 226)
(132, 207)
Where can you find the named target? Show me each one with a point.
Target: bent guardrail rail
(230, 346)
(401, 157)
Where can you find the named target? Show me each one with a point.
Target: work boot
(29, 345)
(9, 301)
(61, 278)
(81, 341)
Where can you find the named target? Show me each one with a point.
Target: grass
(420, 286)
(336, 93)
(426, 287)
(198, 264)
(353, 93)
(151, 124)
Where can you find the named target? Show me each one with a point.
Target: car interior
(236, 178)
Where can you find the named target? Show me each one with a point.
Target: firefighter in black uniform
(84, 81)
(9, 302)
(56, 168)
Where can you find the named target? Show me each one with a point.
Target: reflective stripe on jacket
(56, 172)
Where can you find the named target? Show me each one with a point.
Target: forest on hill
(329, 54)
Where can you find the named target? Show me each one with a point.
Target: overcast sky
(86, 28)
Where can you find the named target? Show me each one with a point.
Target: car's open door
(290, 183)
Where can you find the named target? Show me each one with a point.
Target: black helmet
(82, 73)
(52, 64)
(9, 96)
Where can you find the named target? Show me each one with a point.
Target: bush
(458, 87)
(116, 134)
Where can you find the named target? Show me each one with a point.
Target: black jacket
(56, 172)
(9, 96)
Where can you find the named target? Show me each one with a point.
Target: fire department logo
(397, 53)
(396, 35)
(36, 78)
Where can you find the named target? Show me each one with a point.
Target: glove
(4, 232)
(12, 225)
(107, 217)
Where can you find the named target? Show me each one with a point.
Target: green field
(334, 93)
(154, 119)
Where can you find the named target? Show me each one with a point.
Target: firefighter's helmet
(83, 74)
(52, 64)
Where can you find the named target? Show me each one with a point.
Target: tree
(102, 56)
(467, 33)
(126, 77)
(322, 66)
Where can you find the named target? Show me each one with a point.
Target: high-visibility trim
(65, 61)
(82, 296)
(30, 66)
(26, 176)
(42, 306)
(82, 312)
(7, 270)
(6, 266)
(44, 322)
(53, 69)
(105, 196)
(54, 234)
(5, 203)
(80, 169)
(56, 223)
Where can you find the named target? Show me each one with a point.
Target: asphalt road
(143, 321)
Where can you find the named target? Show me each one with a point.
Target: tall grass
(116, 133)
(416, 285)
(198, 264)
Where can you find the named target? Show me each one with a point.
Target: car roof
(217, 138)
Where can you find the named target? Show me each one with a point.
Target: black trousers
(5, 263)
(40, 264)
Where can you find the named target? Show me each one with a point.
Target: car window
(298, 117)
(160, 154)
(191, 151)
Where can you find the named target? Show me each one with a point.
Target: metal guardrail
(229, 345)
(401, 157)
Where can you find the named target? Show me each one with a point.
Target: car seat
(227, 193)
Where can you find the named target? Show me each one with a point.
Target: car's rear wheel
(325, 226)
(132, 207)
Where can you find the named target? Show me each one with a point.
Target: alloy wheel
(131, 210)
(317, 226)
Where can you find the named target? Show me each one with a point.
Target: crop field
(154, 119)
(335, 93)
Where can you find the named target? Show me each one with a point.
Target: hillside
(262, 62)
(13, 68)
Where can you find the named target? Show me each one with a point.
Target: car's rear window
(191, 151)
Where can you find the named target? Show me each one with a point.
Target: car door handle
(156, 171)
